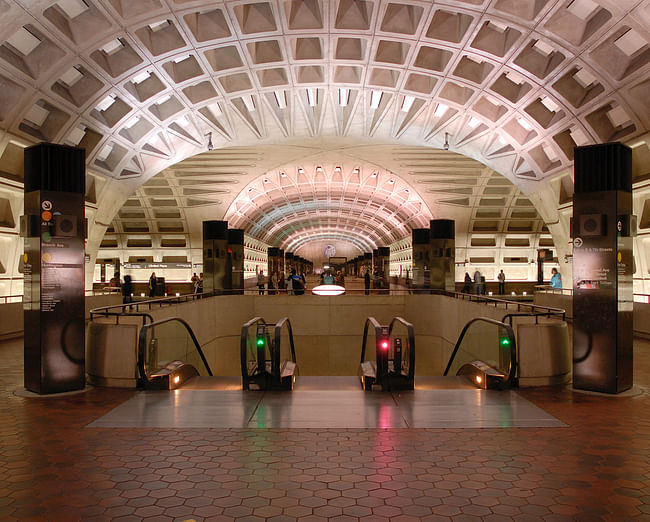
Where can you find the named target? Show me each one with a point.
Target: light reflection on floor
(327, 402)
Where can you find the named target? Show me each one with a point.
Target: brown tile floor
(53, 468)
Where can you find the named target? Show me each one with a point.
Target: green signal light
(505, 342)
(260, 342)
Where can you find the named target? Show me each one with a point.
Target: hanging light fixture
(209, 136)
(446, 144)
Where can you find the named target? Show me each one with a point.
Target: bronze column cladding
(282, 274)
(235, 261)
(54, 230)
(273, 261)
(421, 259)
(215, 245)
(289, 262)
(443, 254)
(602, 268)
(382, 264)
(543, 255)
(367, 262)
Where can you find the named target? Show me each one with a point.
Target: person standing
(152, 284)
(328, 279)
(556, 279)
(296, 283)
(502, 283)
(195, 283)
(477, 281)
(273, 283)
(199, 288)
(260, 282)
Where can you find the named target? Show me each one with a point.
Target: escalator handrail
(509, 317)
(411, 341)
(512, 368)
(276, 346)
(372, 321)
(242, 345)
(142, 344)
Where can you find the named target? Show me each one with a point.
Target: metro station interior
(418, 142)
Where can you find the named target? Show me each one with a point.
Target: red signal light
(384, 345)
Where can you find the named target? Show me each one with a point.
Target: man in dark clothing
(366, 281)
(127, 290)
(297, 283)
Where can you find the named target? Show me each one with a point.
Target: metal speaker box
(65, 226)
(592, 225)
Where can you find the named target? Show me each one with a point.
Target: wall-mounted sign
(156, 266)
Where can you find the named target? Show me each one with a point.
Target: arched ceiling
(293, 205)
(139, 84)
(370, 195)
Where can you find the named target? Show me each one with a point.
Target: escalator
(484, 356)
(169, 355)
(393, 367)
(268, 356)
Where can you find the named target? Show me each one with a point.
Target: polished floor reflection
(311, 405)
(55, 467)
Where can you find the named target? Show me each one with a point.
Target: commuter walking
(260, 282)
(467, 284)
(556, 279)
(152, 284)
(366, 281)
(502, 283)
(127, 290)
(477, 282)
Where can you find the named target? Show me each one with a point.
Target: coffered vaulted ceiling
(280, 83)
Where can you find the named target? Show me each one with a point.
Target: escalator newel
(265, 363)
(394, 364)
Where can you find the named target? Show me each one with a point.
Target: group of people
(479, 281)
(327, 278)
(294, 284)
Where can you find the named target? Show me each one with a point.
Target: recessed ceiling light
(281, 99)
(266, 180)
(140, 77)
(525, 124)
(391, 181)
(407, 103)
(440, 110)
(375, 99)
(344, 95)
(312, 97)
